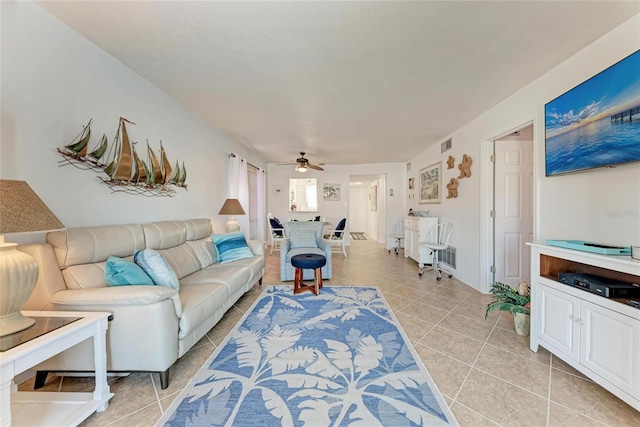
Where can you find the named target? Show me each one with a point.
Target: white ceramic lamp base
(232, 225)
(18, 276)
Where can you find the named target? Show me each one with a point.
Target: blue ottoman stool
(300, 262)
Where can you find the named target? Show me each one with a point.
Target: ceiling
(345, 82)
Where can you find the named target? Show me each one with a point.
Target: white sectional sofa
(152, 326)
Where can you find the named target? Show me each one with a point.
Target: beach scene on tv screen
(597, 123)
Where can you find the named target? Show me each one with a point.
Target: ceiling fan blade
(316, 167)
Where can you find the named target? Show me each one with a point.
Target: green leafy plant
(509, 299)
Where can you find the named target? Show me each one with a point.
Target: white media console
(598, 336)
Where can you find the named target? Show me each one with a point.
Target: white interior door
(513, 210)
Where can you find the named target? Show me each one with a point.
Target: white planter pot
(521, 322)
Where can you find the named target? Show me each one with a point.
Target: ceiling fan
(302, 164)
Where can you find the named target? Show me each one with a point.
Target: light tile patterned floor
(486, 372)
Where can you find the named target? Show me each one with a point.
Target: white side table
(58, 332)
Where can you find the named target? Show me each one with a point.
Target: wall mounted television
(597, 123)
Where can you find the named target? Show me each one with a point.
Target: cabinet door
(558, 320)
(611, 346)
(407, 238)
(413, 244)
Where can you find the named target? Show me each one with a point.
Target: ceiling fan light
(301, 168)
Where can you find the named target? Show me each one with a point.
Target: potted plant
(517, 302)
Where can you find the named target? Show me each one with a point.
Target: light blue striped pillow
(231, 247)
(157, 268)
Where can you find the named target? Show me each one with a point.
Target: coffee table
(54, 332)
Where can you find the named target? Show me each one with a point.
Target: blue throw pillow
(122, 272)
(231, 247)
(275, 223)
(340, 226)
(303, 239)
(157, 268)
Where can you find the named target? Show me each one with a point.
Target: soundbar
(608, 288)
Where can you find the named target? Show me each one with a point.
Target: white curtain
(239, 189)
(261, 205)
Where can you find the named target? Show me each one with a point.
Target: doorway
(367, 206)
(510, 202)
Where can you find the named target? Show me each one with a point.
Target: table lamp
(232, 207)
(21, 211)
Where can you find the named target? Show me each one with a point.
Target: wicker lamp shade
(232, 207)
(21, 211)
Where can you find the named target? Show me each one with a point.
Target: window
(303, 195)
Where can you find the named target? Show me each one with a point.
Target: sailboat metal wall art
(125, 171)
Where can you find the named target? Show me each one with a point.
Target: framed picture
(411, 184)
(331, 192)
(430, 183)
(374, 198)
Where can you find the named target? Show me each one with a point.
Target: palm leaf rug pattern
(339, 358)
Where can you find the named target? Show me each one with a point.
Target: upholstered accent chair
(303, 237)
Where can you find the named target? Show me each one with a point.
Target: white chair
(398, 235)
(338, 236)
(277, 234)
(437, 240)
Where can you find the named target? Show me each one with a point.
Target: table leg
(5, 394)
(102, 390)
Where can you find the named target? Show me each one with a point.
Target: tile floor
(486, 372)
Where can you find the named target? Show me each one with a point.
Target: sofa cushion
(85, 276)
(164, 234)
(182, 259)
(86, 245)
(233, 276)
(157, 268)
(122, 272)
(199, 301)
(231, 247)
(303, 239)
(204, 250)
(198, 228)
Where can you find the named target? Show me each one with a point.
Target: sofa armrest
(256, 246)
(117, 296)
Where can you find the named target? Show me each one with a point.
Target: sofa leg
(41, 379)
(164, 379)
(260, 282)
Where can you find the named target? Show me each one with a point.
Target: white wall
(600, 205)
(53, 82)
(278, 176)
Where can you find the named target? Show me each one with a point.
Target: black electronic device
(608, 288)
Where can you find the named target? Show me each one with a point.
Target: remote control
(598, 245)
(633, 303)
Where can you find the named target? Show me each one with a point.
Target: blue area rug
(340, 358)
